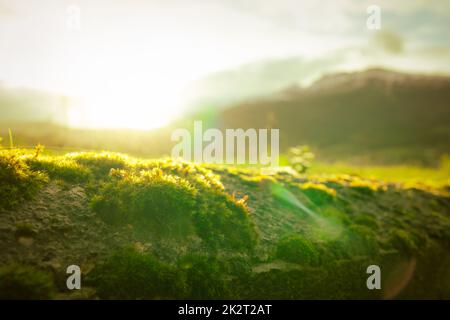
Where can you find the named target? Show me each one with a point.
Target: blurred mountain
(29, 105)
(371, 116)
(260, 78)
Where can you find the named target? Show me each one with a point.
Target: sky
(136, 63)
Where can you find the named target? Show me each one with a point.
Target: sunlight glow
(127, 106)
(130, 64)
(127, 88)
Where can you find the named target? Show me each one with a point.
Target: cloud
(386, 49)
(276, 42)
(264, 77)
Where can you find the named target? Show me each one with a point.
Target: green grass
(410, 176)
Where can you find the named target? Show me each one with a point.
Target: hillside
(375, 116)
(150, 229)
(31, 105)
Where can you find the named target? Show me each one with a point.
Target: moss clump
(297, 249)
(128, 274)
(402, 241)
(343, 279)
(367, 220)
(25, 230)
(80, 166)
(148, 198)
(19, 282)
(257, 180)
(100, 163)
(18, 181)
(174, 199)
(223, 221)
(366, 186)
(363, 185)
(335, 214)
(60, 168)
(318, 193)
(360, 240)
(205, 277)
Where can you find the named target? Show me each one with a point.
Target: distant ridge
(31, 105)
(373, 112)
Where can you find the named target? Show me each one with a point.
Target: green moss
(335, 214)
(362, 185)
(25, 282)
(297, 249)
(257, 180)
(367, 220)
(100, 163)
(150, 199)
(160, 200)
(174, 202)
(402, 241)
(197, 175)
(336, 279)
(25, 230)
(360, 240)
(18, 181)
(128, 274)
(60, 168)
(223, 221)
(205, 277)
(420, 240)
(318, 193)
(408, 175)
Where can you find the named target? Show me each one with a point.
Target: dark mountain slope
(388, 116)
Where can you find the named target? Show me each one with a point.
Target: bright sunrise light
(127, 66)
(133, 64)
(133, 102)
(129, 83)
(129, 63)
(129, 87)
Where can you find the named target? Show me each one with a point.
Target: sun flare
(126, 106)
(128, 91)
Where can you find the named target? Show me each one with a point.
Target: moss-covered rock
(19, 281)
